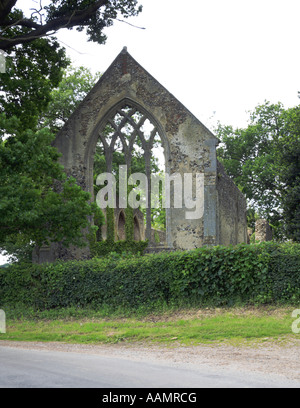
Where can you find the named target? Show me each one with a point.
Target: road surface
(31, 368)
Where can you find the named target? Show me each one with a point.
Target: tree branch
(5, 9)
(72, 19)
(24, 22)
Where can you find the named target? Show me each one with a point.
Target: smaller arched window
(136, 229)
(121, 227)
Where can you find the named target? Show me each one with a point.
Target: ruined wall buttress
(232, 206)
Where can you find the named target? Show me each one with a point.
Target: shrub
(104, 248)
(244, 274)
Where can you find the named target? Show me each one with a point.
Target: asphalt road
(22, 368)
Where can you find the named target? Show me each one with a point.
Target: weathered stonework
(119, 225)
(263, 231)
(189, 147)
(231, 213)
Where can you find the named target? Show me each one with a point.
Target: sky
(219, 58)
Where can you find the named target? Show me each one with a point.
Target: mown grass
(184, 327)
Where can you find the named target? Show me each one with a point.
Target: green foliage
(72, 89)
(39, 204)
(244, 274)
(124, 248)
(156, 237)
(263, 160)
(129, 224)
(4, 265)
(288, 157)
(110, 222)
(99, 220)
(109, 246)
(32, 72)
(249, 156)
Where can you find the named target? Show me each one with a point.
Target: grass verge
(181, 327)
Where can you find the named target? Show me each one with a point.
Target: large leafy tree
(248, 156)
(34, 58)
(288, 154)
(38, 203)
(32, 71)
(263, 160)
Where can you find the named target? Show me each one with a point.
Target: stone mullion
(103, 141)
(152, 136)
(129, 227)
(147, 156)
(109, 159)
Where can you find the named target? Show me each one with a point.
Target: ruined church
(127, 96)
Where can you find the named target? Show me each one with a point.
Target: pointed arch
(106, 118)
(136, 229)
(121, 234)
(127, 123)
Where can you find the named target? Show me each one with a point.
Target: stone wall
(232, 207)
(263, 231)
(158, 237)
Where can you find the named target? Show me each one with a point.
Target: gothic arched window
(130, 136)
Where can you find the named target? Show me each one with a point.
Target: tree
(34, 58)
(248, 156)
(39, 204)
(263, 160)
(30, 169)
(64, 99)
(288, 154)
(28, 163)
(32, 211)
(32, 71)
(94, 15)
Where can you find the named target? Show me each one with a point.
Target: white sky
(213, 55)
(220, 58)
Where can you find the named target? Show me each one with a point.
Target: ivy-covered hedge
(259, 273)
(104, 248)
